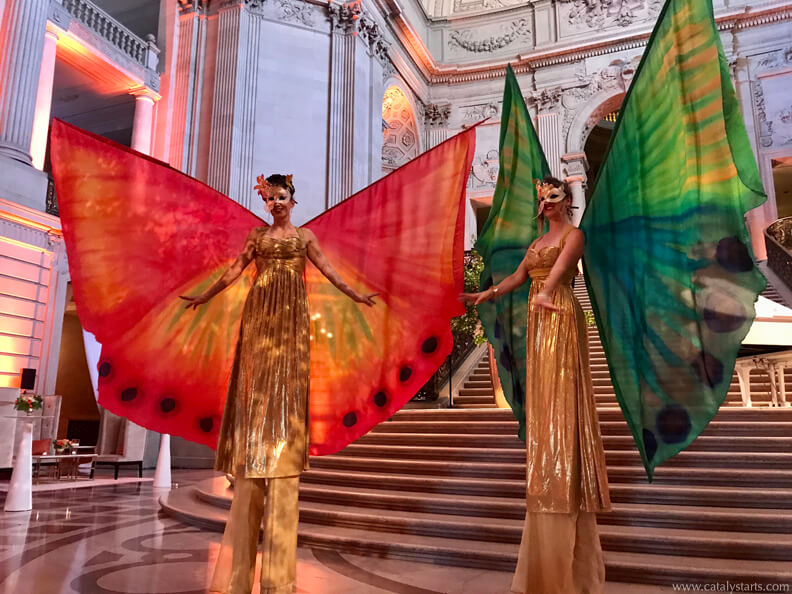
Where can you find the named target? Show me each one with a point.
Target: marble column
(144, 118)
(548, 128)
(344, 19)
(23, 27)
(41, 118)
(576, 167)
(436, 124)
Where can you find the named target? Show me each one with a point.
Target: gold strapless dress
(565, 462)
(265, 423)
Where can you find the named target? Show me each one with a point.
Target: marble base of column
(23, 184)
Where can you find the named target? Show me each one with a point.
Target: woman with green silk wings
(567, 480)
(264, 434)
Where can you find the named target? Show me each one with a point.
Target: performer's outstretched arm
(229, 276)
(511, 282)
(316, 256)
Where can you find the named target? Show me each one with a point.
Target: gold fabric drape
(566, 471)
(265, 423)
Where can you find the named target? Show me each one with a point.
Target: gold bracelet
(494, 291)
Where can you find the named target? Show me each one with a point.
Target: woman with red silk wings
(265, 424)
(139, 234)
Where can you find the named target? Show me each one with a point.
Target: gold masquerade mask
(265, 189)
(547, 192)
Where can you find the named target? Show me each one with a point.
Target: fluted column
(344, 20)
(23, 26)
(41, 117)
(144, 118)
(436, 123)
(548, 103)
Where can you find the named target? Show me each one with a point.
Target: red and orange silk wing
(139, 234)
(401, 237)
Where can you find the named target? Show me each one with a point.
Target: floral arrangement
(65, 446)
(28, 403)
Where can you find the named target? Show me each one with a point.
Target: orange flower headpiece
(265, 188)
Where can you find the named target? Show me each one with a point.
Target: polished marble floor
(112, 539)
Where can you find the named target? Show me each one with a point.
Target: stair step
(685, 459)
(611, 442)
(720, 496)
(624, 566)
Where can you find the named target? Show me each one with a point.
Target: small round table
(20, 489)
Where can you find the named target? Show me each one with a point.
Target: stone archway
(401, 141)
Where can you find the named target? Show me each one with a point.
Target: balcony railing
(141, 51)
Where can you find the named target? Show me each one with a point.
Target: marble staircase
(447, 486)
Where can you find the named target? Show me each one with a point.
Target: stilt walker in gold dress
(264, 435)
(566, 477)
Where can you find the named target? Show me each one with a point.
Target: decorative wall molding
(436, 72)
(474, 113)
(296, 11)
(510, 33)
(778, 59)
(33, 236)
(595, 13)
(484, 171)
(765, 125)
(614, 78)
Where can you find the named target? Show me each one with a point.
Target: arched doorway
(400, 141)
(596, 146)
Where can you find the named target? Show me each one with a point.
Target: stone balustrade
(143, 51)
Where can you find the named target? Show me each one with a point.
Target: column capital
(436, 114)
(577, 164)
(345, 17)
(141, 92)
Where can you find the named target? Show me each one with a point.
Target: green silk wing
(504, 239)
(668, 261)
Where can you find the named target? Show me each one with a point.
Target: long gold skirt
(566, 472)
(560, 554)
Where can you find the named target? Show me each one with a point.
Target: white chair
(128, 447)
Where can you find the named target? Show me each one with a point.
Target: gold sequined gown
(264, 435)
(566, 474)
(265, 423)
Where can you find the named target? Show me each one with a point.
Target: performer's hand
(193, 302)
(476, 298)
(543, 300)
(367, 299)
